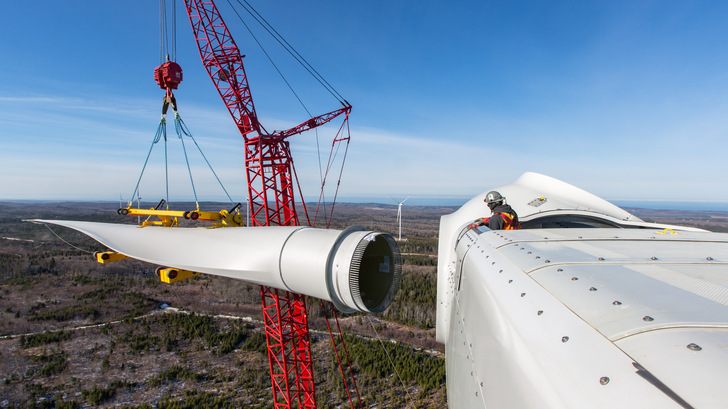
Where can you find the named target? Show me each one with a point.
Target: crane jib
(271, 178)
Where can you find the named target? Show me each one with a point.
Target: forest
(75, 333)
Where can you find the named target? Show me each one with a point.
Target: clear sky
(625, 99)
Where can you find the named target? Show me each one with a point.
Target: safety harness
(510, 221)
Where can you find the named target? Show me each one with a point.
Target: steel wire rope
(290, 87)
(394, 368)
(341, 172)
(166, 166)
(183, 128)
(61, 238)
(187, 161)
(174, 30)
(269, 57)
(292, 51)
(167, 53)
(189, 318)
(162, 28)
(311, 70)
(332, 157)
(306, 65)
(161, 130)
(163, 35)
(346, 353)
(303, 62)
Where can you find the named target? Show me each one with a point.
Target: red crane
(269, 172)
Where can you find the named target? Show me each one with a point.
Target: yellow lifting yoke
(170, 218)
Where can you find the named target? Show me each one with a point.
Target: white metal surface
(514, 345)
(631, 314)
(692, 361)
(322, 263)
(534, 197)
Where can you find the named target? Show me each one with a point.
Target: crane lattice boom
(269, 173)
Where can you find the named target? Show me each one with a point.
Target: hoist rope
(332, 156)
(394, 368)
(270, 59)
(174, 30)
(309, 68)
(181, 130)
(346, 353)
(163, 39)
(161, 130)
(189, 170)
(338, 182)
(165, 52)
(322, 178)
(180, 125)
(166, 166)
(292, 51)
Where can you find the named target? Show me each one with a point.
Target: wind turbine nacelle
(357, 270)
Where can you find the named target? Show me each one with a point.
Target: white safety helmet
(494, 197)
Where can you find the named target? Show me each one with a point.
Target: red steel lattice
(269, 170)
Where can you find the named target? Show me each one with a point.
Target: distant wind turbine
(399, 215)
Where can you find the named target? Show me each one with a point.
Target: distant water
(654, 205)
(411, 201)
(459, 201)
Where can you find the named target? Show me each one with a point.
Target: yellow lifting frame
(170, 218)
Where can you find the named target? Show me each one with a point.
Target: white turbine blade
(293, 258)
(213, 251)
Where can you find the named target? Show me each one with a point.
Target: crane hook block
(168, 75)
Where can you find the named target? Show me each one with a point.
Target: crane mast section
(223, 62)
(268, 165)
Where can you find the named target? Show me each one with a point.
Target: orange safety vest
(510, 222)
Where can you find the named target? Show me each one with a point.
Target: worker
(503, 216)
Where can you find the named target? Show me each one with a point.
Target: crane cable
(165, 52)
(338, 354)
(179, 125)
(181, 131)
(391, 362)
(161, 131)
(312, 71)
(292, 51)
(269, 58)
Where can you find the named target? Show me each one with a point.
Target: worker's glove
(479, 222)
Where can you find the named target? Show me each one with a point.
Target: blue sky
(627, 100)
